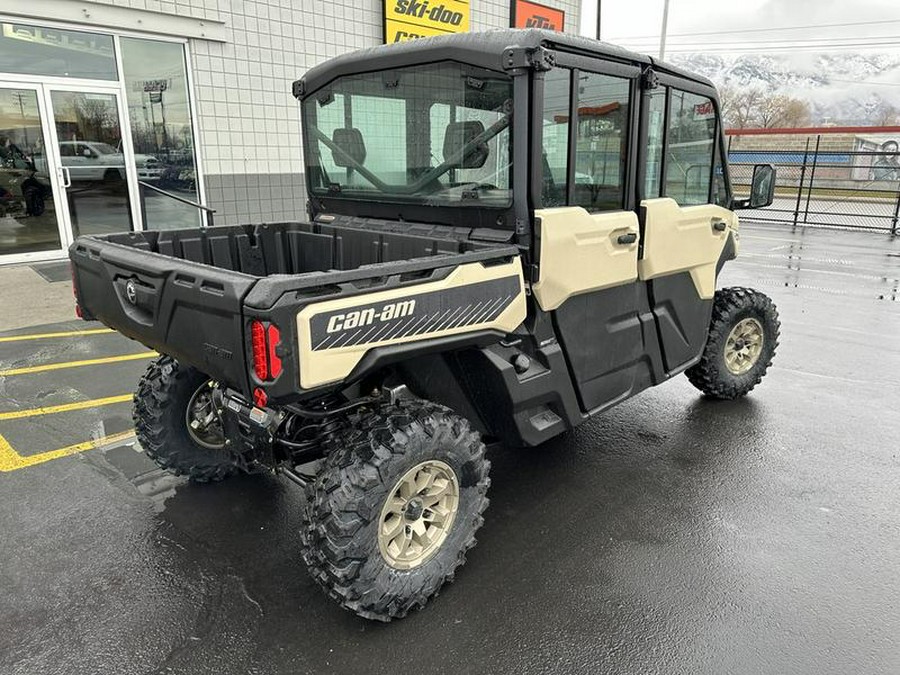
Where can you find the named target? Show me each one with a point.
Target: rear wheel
(177, 424)
(395, 508)
(743, 335)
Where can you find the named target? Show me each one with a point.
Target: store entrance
(64, 168)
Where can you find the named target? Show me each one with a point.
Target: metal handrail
(209, 211)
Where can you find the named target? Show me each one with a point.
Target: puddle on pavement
(149, 480)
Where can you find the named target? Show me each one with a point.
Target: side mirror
(762, 189)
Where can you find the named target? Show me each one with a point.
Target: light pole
(665, 25)
(599, 4)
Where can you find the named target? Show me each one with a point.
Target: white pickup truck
(98, 161)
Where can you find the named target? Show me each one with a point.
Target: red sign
(704, 111)
(525, 14)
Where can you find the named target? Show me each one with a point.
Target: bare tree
(739, 107)
(780, 110)
(885, 114)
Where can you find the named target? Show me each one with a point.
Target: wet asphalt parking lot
(670, 535)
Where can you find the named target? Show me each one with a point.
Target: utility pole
(665, 26)
(599, 3)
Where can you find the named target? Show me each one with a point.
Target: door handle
(626, 239)
(65, 177)
(719, 225)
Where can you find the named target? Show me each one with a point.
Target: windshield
(433, 134)
(104, 149)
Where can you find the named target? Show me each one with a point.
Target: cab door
(685, 223)
(587, 226)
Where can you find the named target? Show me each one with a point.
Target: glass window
(27, 210)
(601, 141)
(493, 174)
(720, 185)
(159, 111)
(655, 137)
(432, 134)
(90, 140)
(555, 155)
(689, 155)
(37, 50)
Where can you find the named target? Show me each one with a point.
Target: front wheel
(743, 335)
(395, 508)
(176, 422)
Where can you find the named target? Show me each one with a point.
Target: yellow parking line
(10, 460)
(65, 407)
(76, 364)
(45, 336)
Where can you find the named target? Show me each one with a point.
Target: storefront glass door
(66, 168)
(29, 219)
(94, 158)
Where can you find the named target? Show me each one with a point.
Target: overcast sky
(636, 23)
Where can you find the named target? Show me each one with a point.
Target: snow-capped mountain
(842, 88)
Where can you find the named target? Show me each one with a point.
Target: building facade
(128, 114)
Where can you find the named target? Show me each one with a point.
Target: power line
(877, 84)
(758, 30)
(785, 41)
(731, 49)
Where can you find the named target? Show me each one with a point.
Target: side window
(720, 187)
(555, 150)
(601, 141)
(689, 155)
(655, 138)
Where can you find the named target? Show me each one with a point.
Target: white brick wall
(247, 116)
(249, 122)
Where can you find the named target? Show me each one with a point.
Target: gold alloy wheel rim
(743, 346)
(418, 514)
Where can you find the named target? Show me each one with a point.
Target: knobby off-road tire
(159, 413)
(743, 335)
(346, 526)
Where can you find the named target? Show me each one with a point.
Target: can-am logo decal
(422, 315)
(364, 317)
(131, 292)
(527, 14)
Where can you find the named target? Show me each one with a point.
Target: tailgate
(184, 309)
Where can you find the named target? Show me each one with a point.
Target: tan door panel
(684, 239)
(580, 253)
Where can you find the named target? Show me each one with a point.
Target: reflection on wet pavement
(671, 534)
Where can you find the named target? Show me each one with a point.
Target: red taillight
(274, 341)
(78, 311)
(264, 339)
(260, 354)
(260, 398)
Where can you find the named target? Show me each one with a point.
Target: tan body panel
(682, 239)
(334, 364)
(579, 253)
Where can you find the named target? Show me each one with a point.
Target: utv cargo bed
(192, 293)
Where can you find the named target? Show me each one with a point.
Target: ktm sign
(411, 19)
(527, 14)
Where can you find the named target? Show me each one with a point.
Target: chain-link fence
(835, 179)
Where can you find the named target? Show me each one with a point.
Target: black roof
(483, 49)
